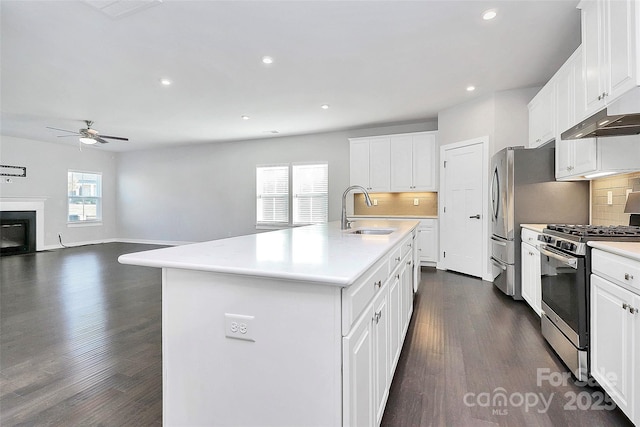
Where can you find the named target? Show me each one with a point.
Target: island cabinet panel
(290, 374)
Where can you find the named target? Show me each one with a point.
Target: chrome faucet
(344, 224)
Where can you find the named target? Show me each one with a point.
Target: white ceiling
(373, 62)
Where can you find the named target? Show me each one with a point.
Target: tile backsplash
(603, 213)
(397, 204)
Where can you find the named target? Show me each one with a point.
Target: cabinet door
(593, 57)
(542, 116)
(427, 244)
(357, 373)
(401, 163)
(531, 280)
(564, 153)
(381, 355)
(406, 288)
(359, 163)
(395, 330)
(621, 56)
(424, 162)
(585, 156)
(379, 165)
(611, 340)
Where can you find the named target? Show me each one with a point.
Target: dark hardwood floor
(80, 345)
(468, 344)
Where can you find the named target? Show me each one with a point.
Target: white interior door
(463, 220)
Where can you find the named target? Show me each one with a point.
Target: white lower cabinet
(428, 241)
(531, 280)
(381, 352)
(615, 330)
(357, 374)
(395, 322)
(372, 345)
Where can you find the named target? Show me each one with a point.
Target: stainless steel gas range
(566, 267)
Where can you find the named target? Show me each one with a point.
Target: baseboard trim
(114, 240)
(154, 242)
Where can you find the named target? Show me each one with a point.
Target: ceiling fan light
(88, 141)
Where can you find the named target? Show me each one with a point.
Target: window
(272, 188)
(85, 197)
(299, 191)
(310, 193)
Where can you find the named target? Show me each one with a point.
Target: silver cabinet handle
(477, 216)
(633, 310)
(377, 316)
(628, 276)
(398, 259)
(378, 284)
(625, 305)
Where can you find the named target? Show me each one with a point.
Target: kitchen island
(301, 326)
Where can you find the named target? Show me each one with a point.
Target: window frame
(97, 198)
(290, 196)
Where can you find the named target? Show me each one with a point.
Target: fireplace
(17, 232)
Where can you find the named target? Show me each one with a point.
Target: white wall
(503, 116)
(47, 165)
(204, 192)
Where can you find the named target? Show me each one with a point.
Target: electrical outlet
(416, 202)
(375, 202)
(7, 181)
(609, 197)
(239, 326)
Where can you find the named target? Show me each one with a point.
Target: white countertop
(626, 249)
(316, 253)
(534, 227)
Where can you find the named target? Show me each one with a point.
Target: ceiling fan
(88, 135)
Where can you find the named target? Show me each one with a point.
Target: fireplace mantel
(28, 204)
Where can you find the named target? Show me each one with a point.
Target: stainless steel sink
(374, 231)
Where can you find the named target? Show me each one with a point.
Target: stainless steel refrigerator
(524, 191)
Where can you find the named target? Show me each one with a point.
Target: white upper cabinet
(573, 157)
(542, 112)
(413, 165)
(403, 162)
(611, 51)
(369, 163)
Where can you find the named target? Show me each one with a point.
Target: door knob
(475, 216)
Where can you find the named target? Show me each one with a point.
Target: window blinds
(310, 193)
(272, 188)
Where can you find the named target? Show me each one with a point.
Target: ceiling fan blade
(114, 137)
(66, 136)
(63, 130)
(100, 140)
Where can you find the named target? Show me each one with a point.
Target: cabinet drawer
(620, 270)
(407, 246)
(356, 297)
(530, 237)
(395, 257)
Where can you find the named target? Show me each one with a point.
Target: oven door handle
(565, 260)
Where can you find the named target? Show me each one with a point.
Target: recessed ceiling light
(165, 82)
(489, 14)
(471, 88)
(325, 106)
(270, 131)
(244, 117)
(267, 60)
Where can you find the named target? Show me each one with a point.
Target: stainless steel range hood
(620, 118)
